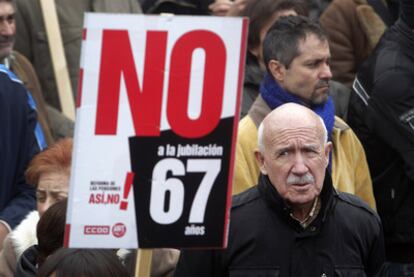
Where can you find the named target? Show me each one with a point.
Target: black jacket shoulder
(355, 202)
(245, 197)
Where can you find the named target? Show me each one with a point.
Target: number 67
(160, 185)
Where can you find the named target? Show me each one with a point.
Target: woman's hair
(69, 262)
(51, 230)
(260, 12)
(55, 158)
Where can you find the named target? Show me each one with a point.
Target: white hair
(260, 142)
(324, 130)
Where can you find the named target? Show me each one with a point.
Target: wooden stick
(57, 53)
(143, 264)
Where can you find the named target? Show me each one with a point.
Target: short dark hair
(70, 262)
(51, 230)
(282, 40)
(260, 12)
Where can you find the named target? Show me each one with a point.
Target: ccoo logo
(96, 230)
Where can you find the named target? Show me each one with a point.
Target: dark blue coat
(20, 139)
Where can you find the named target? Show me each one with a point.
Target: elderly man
(296, 53)
(294, 223)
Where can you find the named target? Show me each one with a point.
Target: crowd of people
(324, 162)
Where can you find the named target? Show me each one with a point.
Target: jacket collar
(259, 110)
(279, 205)
(406, 36)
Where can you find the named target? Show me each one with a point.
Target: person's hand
(3, 233)
(237, 8)
(220, 7)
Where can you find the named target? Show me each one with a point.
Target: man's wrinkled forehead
(288, 135)
(294, 122)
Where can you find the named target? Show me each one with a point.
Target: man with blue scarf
(296, 53)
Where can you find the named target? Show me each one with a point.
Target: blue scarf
(274, 96)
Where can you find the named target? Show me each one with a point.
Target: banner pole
(143, 263)
(57, 53)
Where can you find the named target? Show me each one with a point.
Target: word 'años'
(194, 230)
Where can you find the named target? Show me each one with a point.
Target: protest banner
(156, 125)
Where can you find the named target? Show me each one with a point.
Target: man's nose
(299, 166)
(325, 73)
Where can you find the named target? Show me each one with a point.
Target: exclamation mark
(127, 188)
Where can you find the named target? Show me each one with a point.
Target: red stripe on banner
(84, 32)
(66, 236)
(80, 83)
(243, 45)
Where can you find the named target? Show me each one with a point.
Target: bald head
(290, 116)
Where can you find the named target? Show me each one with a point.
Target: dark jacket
(253, 75)
(345, 239)
(20, 139)
(23, 69)
(382, 115)
(27, 264)
(54, 124)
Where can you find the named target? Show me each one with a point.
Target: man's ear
(260, 161)
(328, 149)
(277, 69)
